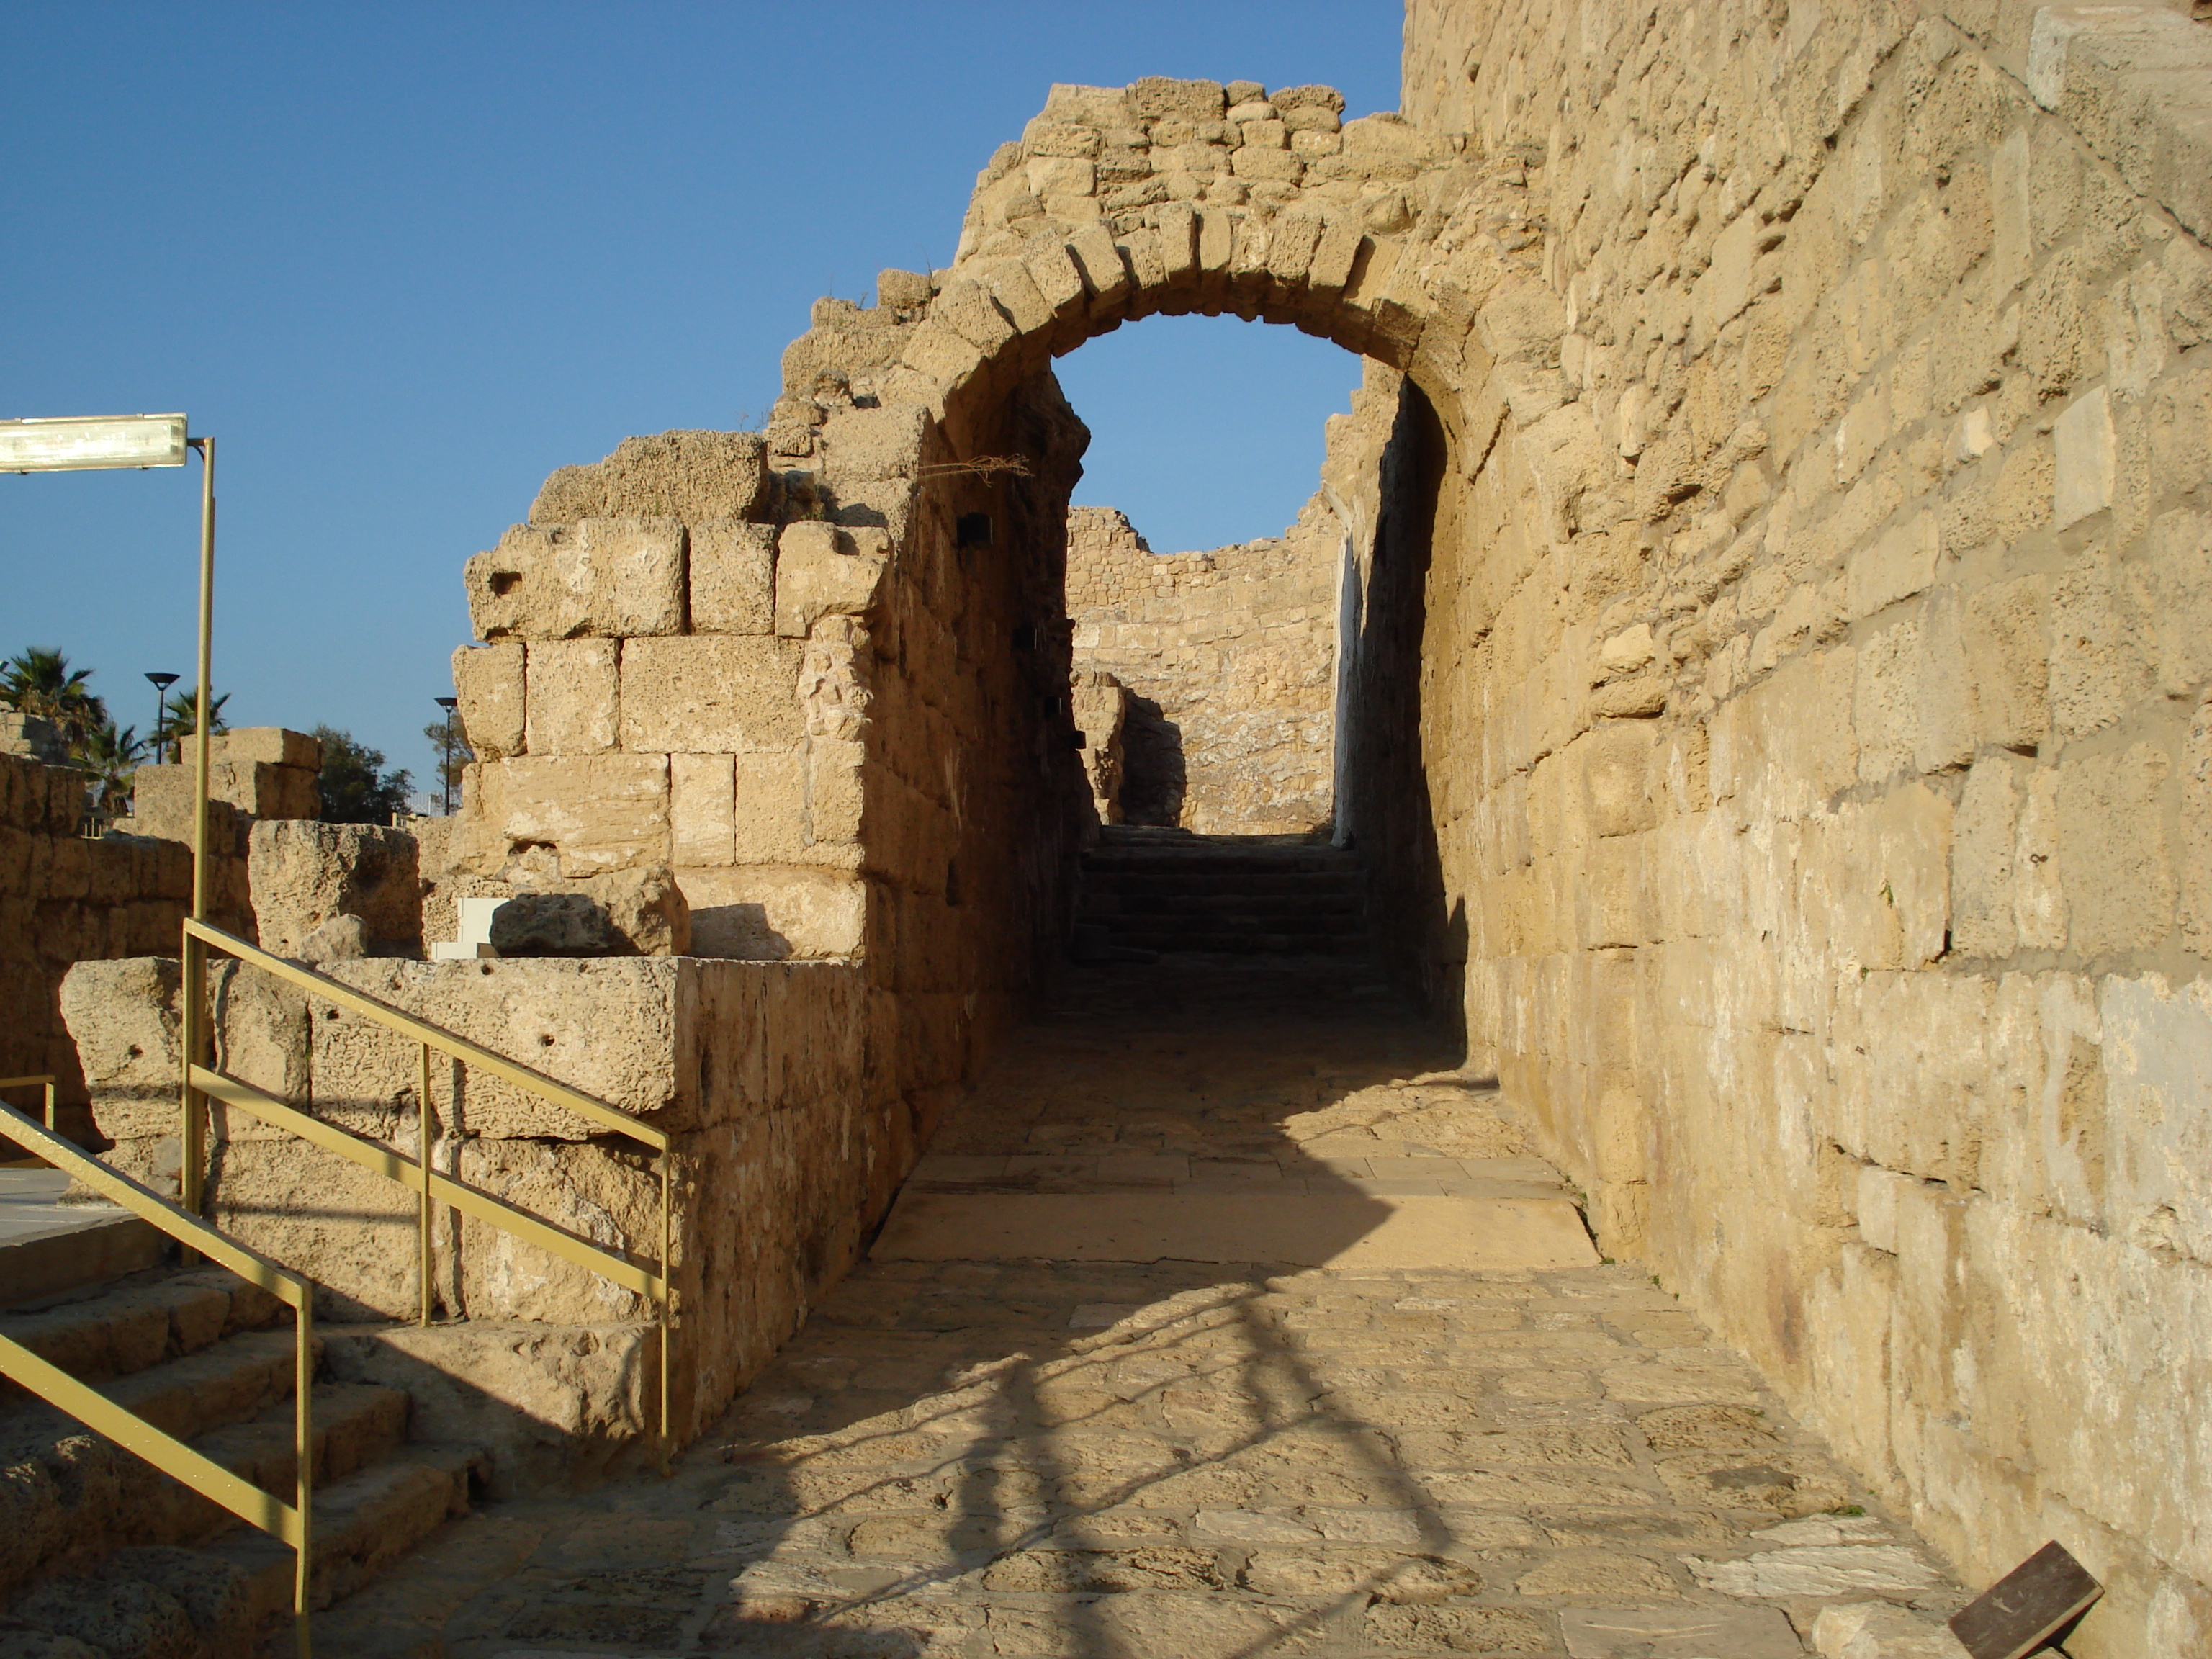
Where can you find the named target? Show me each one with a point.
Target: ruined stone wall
(64, 899)
(753, 1068)
(1813, 715)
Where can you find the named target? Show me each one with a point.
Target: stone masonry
(1230, 657)
(1776, 714)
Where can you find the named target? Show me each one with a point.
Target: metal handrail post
(303, 1556)
(423, 1145)
(191, 1140)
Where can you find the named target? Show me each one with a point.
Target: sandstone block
(700, 792)
(1157, 97)
(834, 793)
(573, 696)
(1900, 563)
(612, 576)
(2007, 661)
(162, 795)
(265, 745)
(600, 812)
(695, 476)
(1987, 830)
(864, 444)
(822, 570)
(709, 694)
(2082, 436)
(124, 1017)
(1615, 775)
(625, 913)
(769, 822)
(488, 684)
(733, 577)
(303, 875)
(2196, 832)
(773, 915)
(2112, 852)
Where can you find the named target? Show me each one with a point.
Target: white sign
(75, 445)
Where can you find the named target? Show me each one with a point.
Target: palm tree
(110, 756)
(37, 680)
(180, 717)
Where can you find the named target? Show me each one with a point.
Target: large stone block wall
(760, 1073)
(1813, 713)
(64, 898)
(1229, 659)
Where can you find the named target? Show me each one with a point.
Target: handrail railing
(203, 1082)
(46, 1078)
(290, 1523)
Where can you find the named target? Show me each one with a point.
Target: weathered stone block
(265, 745)
(600, 812)
(732, 576)
(303, 875)
(488, 684)
(822, 570)
(2007, 661)
(773, 915)
(2082, 436)
(701, 796)
(695, 476)
(834, 793)
(2113, 850)
(709, 694)
(769, 825)
(575, 696)
(1900, 563)
(612, 576)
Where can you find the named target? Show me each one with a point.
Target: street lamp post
(85, 444)
(161, 684)
(446, 772)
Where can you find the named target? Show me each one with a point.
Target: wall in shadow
(1154, 772)
(1386, 811)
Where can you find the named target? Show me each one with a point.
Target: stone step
(70, 1496)
(213, 1602)
(1242, 945)
(1283, 916)
(48, 1248)
(136, 1323)
(1310, 866)
(1202, 896)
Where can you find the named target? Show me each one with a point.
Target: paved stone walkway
(1195, 1460)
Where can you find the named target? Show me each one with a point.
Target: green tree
(37, 680)
(110, 755)
(356, 787)
(448, 773)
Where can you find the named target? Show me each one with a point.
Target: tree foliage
(447, 770)
(39, 680)
(356, 787)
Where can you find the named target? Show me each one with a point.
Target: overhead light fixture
(82, 443)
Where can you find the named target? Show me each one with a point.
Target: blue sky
(404, 260)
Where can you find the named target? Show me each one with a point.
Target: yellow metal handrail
(290, 1523)
(47, 1078)
(203, 1082)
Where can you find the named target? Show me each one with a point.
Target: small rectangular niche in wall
(972, 529)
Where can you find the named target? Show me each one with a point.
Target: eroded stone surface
(1045, 1457)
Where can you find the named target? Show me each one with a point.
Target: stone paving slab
(966, 1458)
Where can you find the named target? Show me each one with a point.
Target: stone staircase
(102, 1557)
(1168, 892)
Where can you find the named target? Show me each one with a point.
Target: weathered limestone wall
(1230, 659)
(754, 1068)
(1812, 708)
(64, 899)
